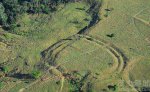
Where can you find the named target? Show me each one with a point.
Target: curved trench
(51, 54)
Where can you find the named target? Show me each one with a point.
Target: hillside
(74, 46)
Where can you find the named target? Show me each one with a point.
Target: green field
(83, 46)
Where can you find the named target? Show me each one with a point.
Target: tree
(11, 9)
(3, 16)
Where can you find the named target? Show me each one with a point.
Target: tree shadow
(21, 76)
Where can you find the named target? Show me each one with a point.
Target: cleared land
(111, 56)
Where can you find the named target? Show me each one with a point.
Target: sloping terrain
(72, 50)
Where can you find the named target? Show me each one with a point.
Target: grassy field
(130, 33)
(88, 56)
(128, 21)
(38, 32)
(112, 57)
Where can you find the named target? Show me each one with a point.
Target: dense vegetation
(10, 9)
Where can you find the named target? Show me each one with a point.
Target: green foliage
(116, 88)
(5, 69)
(11, 9)
(113, 88)
(36, 74)
(3, 16)
(110, 35)
(1, 84)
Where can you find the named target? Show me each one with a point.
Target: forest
(10, 9)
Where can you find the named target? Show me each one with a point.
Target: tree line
(9, 9)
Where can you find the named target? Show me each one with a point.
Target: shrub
(110, 35)
(5, 69)
(36, 74)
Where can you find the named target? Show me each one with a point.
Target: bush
(5, 69)
(110, 35)
(36, 74)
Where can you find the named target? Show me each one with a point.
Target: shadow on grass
(21, 76)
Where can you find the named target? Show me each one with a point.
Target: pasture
(110, 56)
